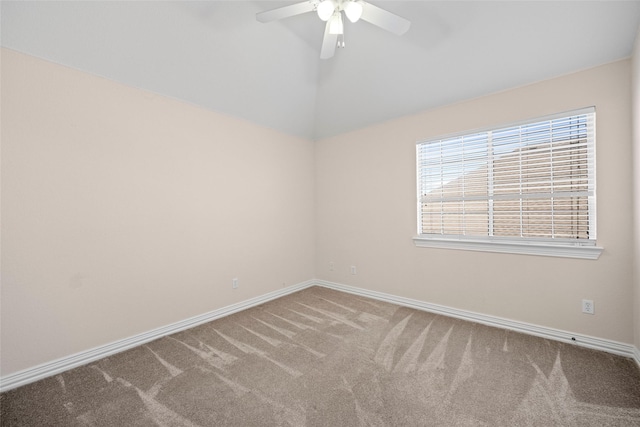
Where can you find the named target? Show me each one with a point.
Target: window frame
(569, 248)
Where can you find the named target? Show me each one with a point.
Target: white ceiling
(216, 55)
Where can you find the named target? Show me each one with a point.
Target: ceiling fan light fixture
(335, 24)
(330, 11)
(325, 9)
(353, 10)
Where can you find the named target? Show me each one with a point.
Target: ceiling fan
(332, 11)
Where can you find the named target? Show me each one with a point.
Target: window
(525, 188)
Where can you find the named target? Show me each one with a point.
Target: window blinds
(533, 180)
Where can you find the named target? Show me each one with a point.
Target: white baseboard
(64, 364)
(626, 350)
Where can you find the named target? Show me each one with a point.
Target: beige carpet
(325, 358)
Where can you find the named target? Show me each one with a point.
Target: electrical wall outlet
(353, 269)
(332, 266)
(587, 306)
(234, 283)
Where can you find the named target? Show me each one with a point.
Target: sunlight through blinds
(528, 181)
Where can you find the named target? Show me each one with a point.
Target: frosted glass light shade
(353, 10)
(325, 9)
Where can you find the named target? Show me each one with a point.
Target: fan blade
(285, 11)
(384, 19)
(329, 43)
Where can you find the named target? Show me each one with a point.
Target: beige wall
(124, 211)
(366, 204)
(636, 180)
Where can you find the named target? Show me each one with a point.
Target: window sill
(565, 251)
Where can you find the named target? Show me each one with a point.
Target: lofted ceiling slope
(216, 55)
